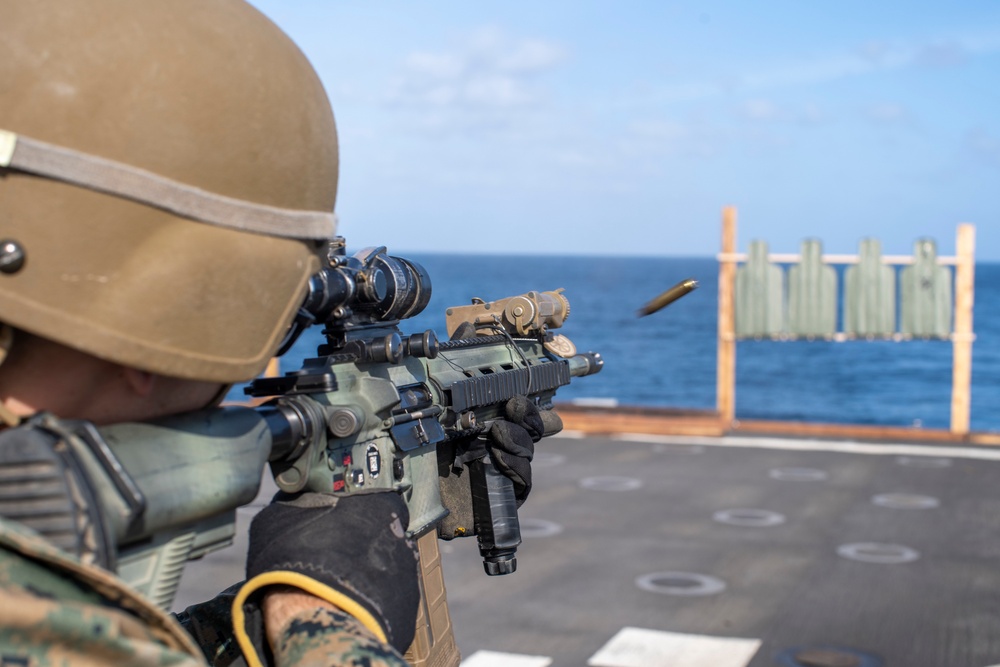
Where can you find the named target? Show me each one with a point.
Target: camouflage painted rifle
(367, 412)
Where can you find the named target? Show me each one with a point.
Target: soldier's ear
(139, 382)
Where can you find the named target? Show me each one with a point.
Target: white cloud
(887, 112)
(488, 70)
(661, 138)
(874, 50)
(659, 130)
(497, 91)
(531, 56)
(576, 158)
(435, 65)
(812, 113)
(868, 58)
(941, 54)
(984, 145)
(760, 109)
(763, 110)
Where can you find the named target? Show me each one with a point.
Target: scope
(370, 287)
(370, 284)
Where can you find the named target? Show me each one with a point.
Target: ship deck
(741, 550)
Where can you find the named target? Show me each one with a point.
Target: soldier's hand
(350, 551)
(510, 442)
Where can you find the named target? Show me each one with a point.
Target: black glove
(510, 444)
(349, 550)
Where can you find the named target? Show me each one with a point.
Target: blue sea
(668, 359)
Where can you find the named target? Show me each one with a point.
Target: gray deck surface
(606, 513)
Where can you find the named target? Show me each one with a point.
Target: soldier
(168, 172)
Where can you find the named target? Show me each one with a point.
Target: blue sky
(623, 128)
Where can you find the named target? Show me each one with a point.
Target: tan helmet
(168, 172)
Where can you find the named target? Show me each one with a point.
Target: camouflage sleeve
(327, 637)
(319, 637)
(35, 630)
(55, 610)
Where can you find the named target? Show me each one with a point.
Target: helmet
(168, 172)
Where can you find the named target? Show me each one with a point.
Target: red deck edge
(673, 421)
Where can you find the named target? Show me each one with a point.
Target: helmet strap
(129, 182)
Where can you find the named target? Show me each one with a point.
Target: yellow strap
(307, 584)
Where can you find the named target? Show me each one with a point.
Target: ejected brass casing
(668, 297)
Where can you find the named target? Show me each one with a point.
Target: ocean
(667, 359)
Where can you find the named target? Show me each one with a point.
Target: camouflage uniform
(54, 610)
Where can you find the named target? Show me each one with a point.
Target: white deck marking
(611, 483)
(495, 659)
(635, 647)
(877, 552)
(846, 447)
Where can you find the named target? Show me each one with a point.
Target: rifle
(368, 412)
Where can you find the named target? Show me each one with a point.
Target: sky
(623, 128)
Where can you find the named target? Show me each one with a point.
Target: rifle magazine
(434, 643)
